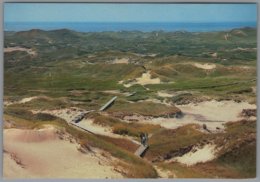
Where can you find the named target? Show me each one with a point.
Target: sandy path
(41, 154)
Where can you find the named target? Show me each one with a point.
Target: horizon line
(129, 22)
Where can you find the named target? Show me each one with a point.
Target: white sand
(22, 101)
(145, 79)
(212, 113)
(97, 129)
(201, 155)
(217, 111)
(112, 91)
(164, 94)
(12, 49)
(69, 114)
(206, 66)
(42, 154)
(214, 55)
(121, 61)
(163, 173)
(89, 125)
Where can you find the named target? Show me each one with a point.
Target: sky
(86, 12)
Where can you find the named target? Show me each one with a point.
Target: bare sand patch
(12, 49)
(197, 155)
(22, 101)
(42, 154)
(212, 113)
(97, 129)
(145, 79)
(164, 94)
(164, 173)
(206, 66)
(156, 101)
(69, 114)
(112, 91)
(89, 125)
(243, 49)
(121, 61)
(217, 110)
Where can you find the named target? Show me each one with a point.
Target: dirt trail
(45, 154)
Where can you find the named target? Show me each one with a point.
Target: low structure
(108, 104)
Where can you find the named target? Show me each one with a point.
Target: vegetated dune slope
(45, 153)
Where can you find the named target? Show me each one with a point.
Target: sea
(132, 26)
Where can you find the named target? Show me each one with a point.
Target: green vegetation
(73, 69)
(143, 108)
(123, 128)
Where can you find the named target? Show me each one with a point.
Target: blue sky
(84, 12)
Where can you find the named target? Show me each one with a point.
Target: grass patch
(143, 108)
(122, 128)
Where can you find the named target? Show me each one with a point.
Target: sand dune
(212, 113)
(44, 154)
(69, 113)
(197, 155)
